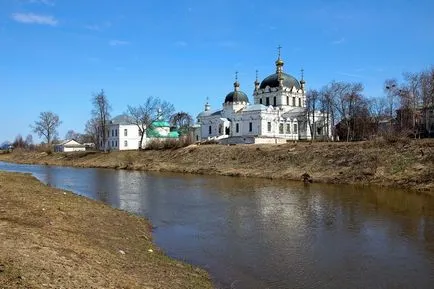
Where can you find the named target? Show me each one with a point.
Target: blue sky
(55, 53)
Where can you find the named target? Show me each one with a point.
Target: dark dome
(273, 81)
(236, 96)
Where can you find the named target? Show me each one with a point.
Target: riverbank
(54, 239)
(407, 165)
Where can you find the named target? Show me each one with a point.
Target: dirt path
(54, 239)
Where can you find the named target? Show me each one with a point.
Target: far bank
(407, 165)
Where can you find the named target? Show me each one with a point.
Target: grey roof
(297, 111)
(209, 112)
(236, 96)
(255, 107)
(273, 81)
(121, 119)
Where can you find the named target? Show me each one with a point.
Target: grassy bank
(55, 239)
(407, 165)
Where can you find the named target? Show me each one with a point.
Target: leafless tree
(312, 104)
(182, 121)
(47, 126)
(347, 98)
(19, 142)
(91, 132)
(29, 140)
(101, 113)
(392, 91)
(144, 115)
(71, 134)
(328, 106)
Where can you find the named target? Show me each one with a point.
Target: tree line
(142, 115)
(355, 116)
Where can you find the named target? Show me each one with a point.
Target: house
(278, 113)
(70, 145)
(123, 135)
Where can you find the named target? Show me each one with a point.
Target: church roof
(255, 107)
(236, 96)
(160, 124)
(273, 81)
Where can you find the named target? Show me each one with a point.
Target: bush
(166, 144)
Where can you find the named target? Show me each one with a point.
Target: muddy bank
(405, 165)
(55, 239)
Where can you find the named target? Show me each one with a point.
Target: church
(278, 113)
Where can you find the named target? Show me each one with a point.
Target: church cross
(236, 75)
(302, 73)
(278, 50)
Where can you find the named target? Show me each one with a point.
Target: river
(258, 233)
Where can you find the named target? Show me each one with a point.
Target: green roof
(160, 124)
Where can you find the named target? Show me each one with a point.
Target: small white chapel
(278, 113)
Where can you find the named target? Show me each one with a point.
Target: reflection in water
(269, 234)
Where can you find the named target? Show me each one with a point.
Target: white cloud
(118, 42)
(31, 18)
(339, 41)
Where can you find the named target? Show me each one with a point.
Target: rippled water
(252, 233)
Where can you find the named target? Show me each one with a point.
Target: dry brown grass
(408, 164)
(54, 239)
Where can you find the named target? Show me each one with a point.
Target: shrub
(166, 144)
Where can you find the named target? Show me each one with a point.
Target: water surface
(257, 233)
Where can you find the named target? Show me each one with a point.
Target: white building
(121, 135)
(278, 113)
(70, 145)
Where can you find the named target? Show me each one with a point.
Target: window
(267, 101)
(299, 102)
(287, 100)
(295, 128)
(260, 100)
(293, 101)
(288, 128)
(209, 130)
(138, 144)
(116, 143)
(237, 127)
(125, 143)
(269, 126)
(113, 143)
(281, 128)
(116, 132)
(139, 132)
(250, 126)
(274, 101)
(125, 132)
(113, 132)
